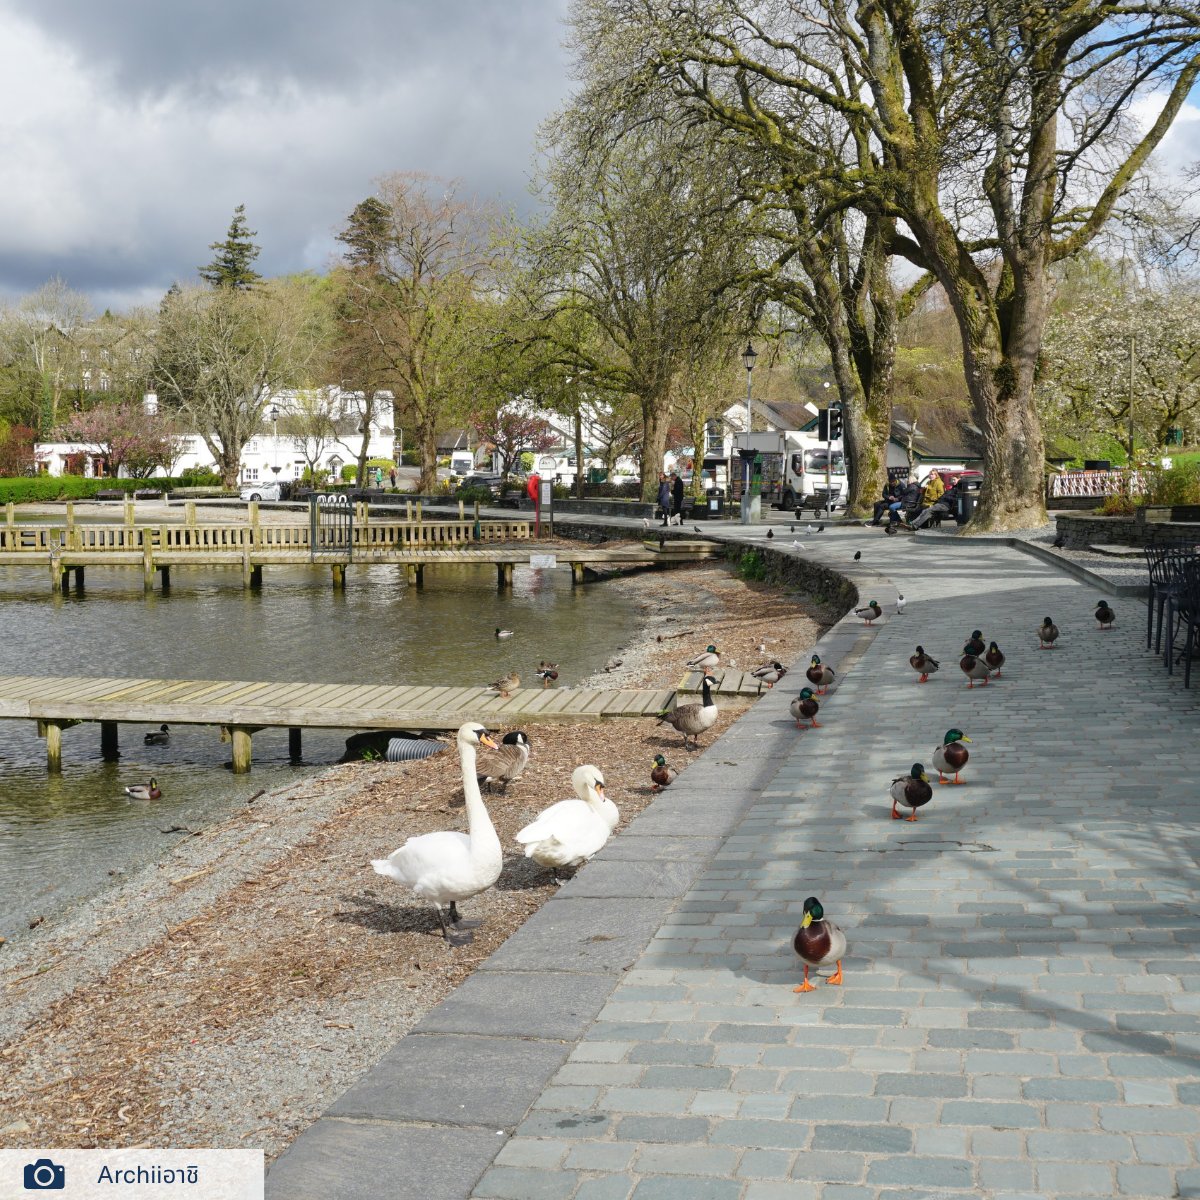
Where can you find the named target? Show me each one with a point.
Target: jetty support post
(576, 573)
(78, 580)
(59, 580)
(189, 513)
(53, 731)
(148, 567)
(240, 736)
(504, 576)
(128, 512)
(256, 576)
(294, 751)
(338, 570)
(415, 574)
(164, 577)
(109, 749)
(247, 580)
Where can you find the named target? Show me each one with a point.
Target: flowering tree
(513, 431)
(16, 450)
(128, 438)
(1110, 351)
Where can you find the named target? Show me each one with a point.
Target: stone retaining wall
(1078, 532)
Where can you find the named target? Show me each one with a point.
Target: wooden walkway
(240, 708)
(250, 547)
(729, 683)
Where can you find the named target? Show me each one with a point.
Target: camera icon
(45, 1175)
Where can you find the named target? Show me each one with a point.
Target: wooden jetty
(240, 708)
(724, 682)
(68, 550)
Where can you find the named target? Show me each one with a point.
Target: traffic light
(835, 422)
(829, 423)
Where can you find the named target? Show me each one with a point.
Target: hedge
(27, 488)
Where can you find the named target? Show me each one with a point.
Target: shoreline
(227, 994)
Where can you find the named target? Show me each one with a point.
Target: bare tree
(997, 136)
(417, 259)
(222, 352)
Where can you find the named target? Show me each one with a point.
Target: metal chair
(1182, 609)
(1164, 563)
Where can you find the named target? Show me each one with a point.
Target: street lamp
(748, 357)
(274, 414)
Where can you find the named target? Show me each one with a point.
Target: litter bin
(715, 503)
(965, 508)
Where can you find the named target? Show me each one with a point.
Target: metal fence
(1096, 483)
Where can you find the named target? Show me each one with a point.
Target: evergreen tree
(231, 265)
(366, 233)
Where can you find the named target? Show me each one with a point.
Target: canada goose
(693, 719)
(506, 762)
(449, 866)
(158, 737)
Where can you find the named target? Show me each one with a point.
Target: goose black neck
(705, 687)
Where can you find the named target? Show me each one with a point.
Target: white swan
(450, 866)
(568, 833)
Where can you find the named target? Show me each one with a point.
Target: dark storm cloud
(134, 128)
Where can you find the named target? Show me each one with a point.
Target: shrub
(752, 567)
(1118, 506)
(200, 477)
(1177, 484)
(471, 494)
(412, 458)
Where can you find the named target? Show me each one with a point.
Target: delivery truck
(794, 470)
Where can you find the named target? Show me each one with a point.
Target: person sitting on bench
(942, 507)
(891, 494)
(908, 502)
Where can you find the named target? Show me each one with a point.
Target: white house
(269, 455)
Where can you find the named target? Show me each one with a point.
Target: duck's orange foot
(896, 816)
(816, 725)
(835, 980)
(804, 987)
(912, 818)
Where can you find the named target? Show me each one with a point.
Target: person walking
(664, 497)
(392, 477)
(677, 495)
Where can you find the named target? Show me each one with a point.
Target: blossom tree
(130, 440)
(512, 430)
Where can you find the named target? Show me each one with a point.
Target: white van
(462, 462)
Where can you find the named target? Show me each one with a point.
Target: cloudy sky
(130, 129)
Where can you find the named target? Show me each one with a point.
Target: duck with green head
(951, 755)
(975, 644)
(804, 707)
(710, 660)
(871, 612)
(818, 941)
(662, 775)
(924, 664)
(819, 675)
(911, 790)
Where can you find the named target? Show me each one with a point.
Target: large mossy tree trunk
(655, 421)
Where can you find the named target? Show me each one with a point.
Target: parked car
(491, 482)
(263, 490)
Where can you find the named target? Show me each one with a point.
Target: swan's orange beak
(485, 740)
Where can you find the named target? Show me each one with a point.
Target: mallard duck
(662, 775)
(974, 668)
(819, 675)
(693, 719)
(924, 664)
(509, 683)
(506, 762)
(870, 613)
(158, 737)
(975, 644)
(547, 672)
(709, 660)
(504, 633)
(449, 866)
(1105, 615)
(568, 833)
(994, 658)
(911, 790)
(770, 673)
(951, 755)
(804, 707)
(1047, 635)
(144, 791)
(817, 942)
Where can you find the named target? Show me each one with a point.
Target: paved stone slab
(342, 1160)
(455, 1080)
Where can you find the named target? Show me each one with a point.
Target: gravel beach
(225, 996)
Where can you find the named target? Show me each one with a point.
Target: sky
(130, 129)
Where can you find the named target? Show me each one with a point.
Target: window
(251, 474)
(816, 460)
(714, 441)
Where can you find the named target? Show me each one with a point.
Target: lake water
(61, 836)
